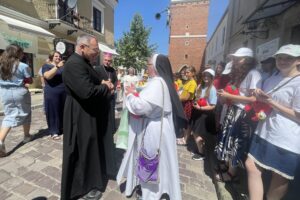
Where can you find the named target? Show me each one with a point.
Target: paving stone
(38, 165)
(53, 172)
(33, 176)
(15, 197)
(112, 185)
(45, 182)
(113, 196)
(184, 179)
(24, 189)
(4, 194)
(55, 189)
(38, 194)
(34, 153)
(56, 153)
(45, 158)
(186, 196)
(11, 183)
(25, 161)
(53, 198)
(4, 176)
(21, 171)
(187, 172)
(11, 167)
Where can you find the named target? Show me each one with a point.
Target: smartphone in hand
(264, 95)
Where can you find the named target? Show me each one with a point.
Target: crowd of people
(252, 112)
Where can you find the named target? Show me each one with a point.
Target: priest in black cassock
(88, 151)
(107, 72)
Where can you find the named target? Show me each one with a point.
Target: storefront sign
(14, 40)
(267, 49)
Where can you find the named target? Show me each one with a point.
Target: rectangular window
(97, 23)
(223, 36)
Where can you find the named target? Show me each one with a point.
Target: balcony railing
(61, 12)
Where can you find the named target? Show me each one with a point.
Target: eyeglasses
(94, 49)
(106, 60)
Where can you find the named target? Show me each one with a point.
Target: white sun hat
(210, 71)
(290, 49)
(243, 52)
(227, 69)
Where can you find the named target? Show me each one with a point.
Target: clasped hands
(109, 84)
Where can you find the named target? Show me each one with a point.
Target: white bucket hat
(290, 49)
(210, 71)
(243, 52)
(227, 69)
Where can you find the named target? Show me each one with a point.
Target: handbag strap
(276, 89)
(161, 119)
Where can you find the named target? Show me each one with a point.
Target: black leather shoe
(94, 194)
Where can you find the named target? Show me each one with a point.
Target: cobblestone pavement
(33, 170)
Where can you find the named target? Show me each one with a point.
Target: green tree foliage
(133, 46)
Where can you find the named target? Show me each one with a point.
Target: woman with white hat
(203, 117)
(275, 144)
(237, 127)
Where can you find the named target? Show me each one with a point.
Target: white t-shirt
(250, 82)
(278, 129)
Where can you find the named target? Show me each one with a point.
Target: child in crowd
(275, 144)
(203, 117)
(237, 127)
(186, 97)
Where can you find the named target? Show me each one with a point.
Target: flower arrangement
(202, 102)
(261, 110)
(231, 89)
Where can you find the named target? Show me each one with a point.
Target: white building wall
(216, 44)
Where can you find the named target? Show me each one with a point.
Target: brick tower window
(186, 56)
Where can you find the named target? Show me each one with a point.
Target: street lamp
(158, 15)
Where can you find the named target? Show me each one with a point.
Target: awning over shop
(270, 8)
(26, 26)
(107, 49)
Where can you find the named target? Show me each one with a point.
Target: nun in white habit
(145, 116)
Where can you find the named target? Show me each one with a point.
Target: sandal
(181, 142)
(226, 177)
(55, 137)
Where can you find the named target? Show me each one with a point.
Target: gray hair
(84, 39)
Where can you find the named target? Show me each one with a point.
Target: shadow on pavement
(41, 133)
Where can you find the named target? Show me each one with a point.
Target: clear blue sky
(126, 9)
(216, 11)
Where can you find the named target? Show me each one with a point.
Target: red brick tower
(188, 27)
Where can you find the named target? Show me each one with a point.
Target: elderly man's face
(91, 51)
(107, 60)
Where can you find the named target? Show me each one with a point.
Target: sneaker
(2, 149)
(198, 157)
(27, 139)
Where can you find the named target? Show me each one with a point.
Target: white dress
(148, 106)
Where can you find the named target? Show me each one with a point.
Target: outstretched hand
(130, 89)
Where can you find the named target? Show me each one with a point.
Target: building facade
(262, 25)
(188, 27)
(216, 44)
(41, 26)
